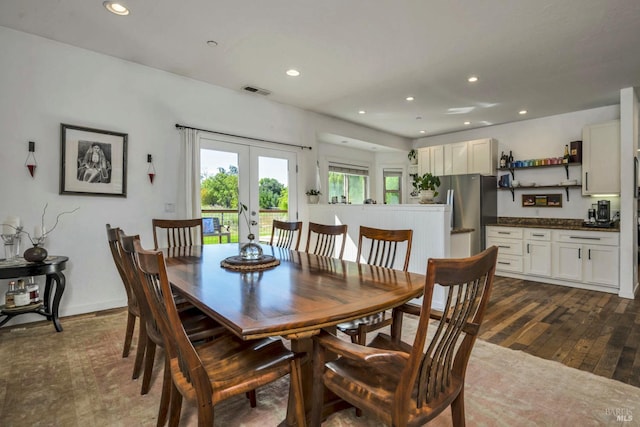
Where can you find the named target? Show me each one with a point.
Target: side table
(51, 268)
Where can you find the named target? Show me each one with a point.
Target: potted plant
(413, 157)
(426, 184)
(313, 196)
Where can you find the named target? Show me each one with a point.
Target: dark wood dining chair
(177, 232)
(284, 234)
(133, 308)
(409, 385)
(324, 237)
(198, 326)
(216, 370)
(378, 247)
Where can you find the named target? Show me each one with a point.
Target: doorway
(262, 178)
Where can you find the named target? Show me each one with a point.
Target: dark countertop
(462, 230)
(553, 223)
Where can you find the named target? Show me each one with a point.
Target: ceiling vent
(257, 90)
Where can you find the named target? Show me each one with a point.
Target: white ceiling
(545, 56)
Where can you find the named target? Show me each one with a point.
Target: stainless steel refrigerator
(475, 204)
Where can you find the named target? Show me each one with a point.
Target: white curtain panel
(189, 200)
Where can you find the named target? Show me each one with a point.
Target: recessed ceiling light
(467, 123)
(212, 43)
(345, 142)
(293, 73)
(115, 7)
(472, 79)
(419, 118)
(423, 131)
(362, 112)
(409, 98)
(522, 112)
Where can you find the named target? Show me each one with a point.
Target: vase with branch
(36, 252)
(250, 250)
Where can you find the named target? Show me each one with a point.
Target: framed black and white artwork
(93, 162)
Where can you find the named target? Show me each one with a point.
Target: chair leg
(362, 334)
(251, 395)
(149, 359)
(176, 406)
(165, 396)
(142, 339)
(128, 335)
(457, 410)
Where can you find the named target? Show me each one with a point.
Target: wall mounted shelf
(564, 165)
(566, 188)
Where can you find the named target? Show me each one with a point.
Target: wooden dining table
(295, 299)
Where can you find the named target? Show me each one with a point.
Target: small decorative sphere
(251, 251)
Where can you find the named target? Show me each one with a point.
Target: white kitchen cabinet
(601, 158)
(590, 257)
(431, 159)
(579, 258)
(437, 160)
(482, 156)
(509, 243)
(455, 159)
(424, 160)
(537, 252)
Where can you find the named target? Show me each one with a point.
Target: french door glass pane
(219, 174)
(273, 193)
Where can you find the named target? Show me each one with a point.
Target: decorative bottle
(21, 297)
(503, 161)
(9, 298)
(33, 289)
(510, 160)
(565, 159)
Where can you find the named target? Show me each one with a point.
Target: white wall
(44, 83)
(535, 139)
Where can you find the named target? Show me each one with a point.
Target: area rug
(79, 378)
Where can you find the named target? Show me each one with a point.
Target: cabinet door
(601, 158)
(537, 258)
(437, 160)
(567, 261)
(455, 159)
(481, 157)
(601, 265)
(424, 160)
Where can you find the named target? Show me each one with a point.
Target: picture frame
(93, 162)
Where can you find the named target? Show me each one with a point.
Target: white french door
(266, 183)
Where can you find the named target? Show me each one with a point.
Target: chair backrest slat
(325, 239)
(177, 232)
(383, 246)
(284, 233)
(118, 259)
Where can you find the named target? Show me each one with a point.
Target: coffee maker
(603, 212)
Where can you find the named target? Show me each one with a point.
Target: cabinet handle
(537, 235)
(579, 252)
(504, 232)
(504, 246)
(589, 254)
(584, 238)
(527, 248)
(586, 180)
(505, 263)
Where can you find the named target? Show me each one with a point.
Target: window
(392, 186)
(348, 183)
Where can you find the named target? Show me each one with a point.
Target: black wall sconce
(31, 163)
(151, 170)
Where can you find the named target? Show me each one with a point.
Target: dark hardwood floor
(593, 331)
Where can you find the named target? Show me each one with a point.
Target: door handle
(586, 180)
(528, 248)
(579, 252)
(254, 222)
